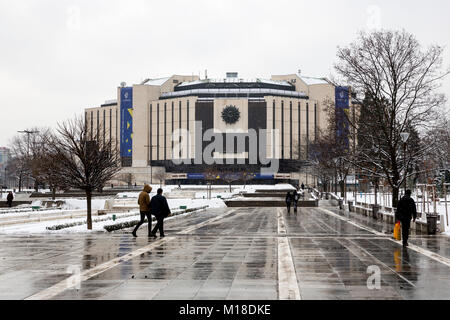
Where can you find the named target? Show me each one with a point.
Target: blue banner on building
(126, 122)
(342, 112)
(196, 176)
(260, 176)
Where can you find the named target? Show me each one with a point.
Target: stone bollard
(350, 206)
(375, 211)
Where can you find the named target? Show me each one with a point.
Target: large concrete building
(189, 129)
(4, 158)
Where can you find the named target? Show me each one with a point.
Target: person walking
(145, 209)
(160, 209)
(406, 209)
(303, 186)
(9, 199)
(289, 200)
(296, 198)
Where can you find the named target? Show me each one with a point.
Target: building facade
(190, 130)
(4, 158)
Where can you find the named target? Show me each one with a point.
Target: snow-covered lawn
(79, 207)
(41, 227)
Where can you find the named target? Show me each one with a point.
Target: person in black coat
(161, 210)
(296, 198)
(289, 200)
(9, 199)
(406, 209)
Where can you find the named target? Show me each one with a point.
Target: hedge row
(130, 224)
(80, 223)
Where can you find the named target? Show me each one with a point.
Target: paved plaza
(232, 254)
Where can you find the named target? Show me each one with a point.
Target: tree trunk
(376, 193)
(53, 193)
(89, 208)
(341, 187)
(20, 183)
(395, 192)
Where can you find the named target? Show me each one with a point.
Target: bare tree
(20, 166)
(17, 169)
(85, 160)
(230, 177)
(398, 80)
(160, 176)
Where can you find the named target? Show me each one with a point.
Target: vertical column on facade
(92, 124)
(169, 145)
(307, 131)
(278, 124)
(110, 127)
(157, 131)
(282, 131)
(97, 129)
(161, 132)
(315, 122)
(104, 125)
(294, 132)
(176, 126)
(191, 114)
(290, 129)
(180, 125)
(188, 142)
(165, 131)
(150, 138)
(303, 129)
(116, 121)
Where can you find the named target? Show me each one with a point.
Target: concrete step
(268, 203)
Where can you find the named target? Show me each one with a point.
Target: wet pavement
(230, 253)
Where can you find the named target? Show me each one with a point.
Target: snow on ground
(76, 204)
(41, 227)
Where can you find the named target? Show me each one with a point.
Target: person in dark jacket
(289, 200)
(144, 208)
(161, 210)
(9, 199)
(406, 209)
(296, 198)
(303, 186)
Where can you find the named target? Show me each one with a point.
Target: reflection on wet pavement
(235, 257)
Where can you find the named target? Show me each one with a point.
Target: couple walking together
(157, 206)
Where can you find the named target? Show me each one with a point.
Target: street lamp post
(405, 137)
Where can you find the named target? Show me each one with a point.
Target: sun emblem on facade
(231, 114)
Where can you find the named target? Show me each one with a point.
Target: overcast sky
(59, 57)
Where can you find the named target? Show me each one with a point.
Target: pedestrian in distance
(296, 198)
(145, 210)
(289, 200)
(303, 186)
(161, 210)
(406, 210)
(9, 199)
